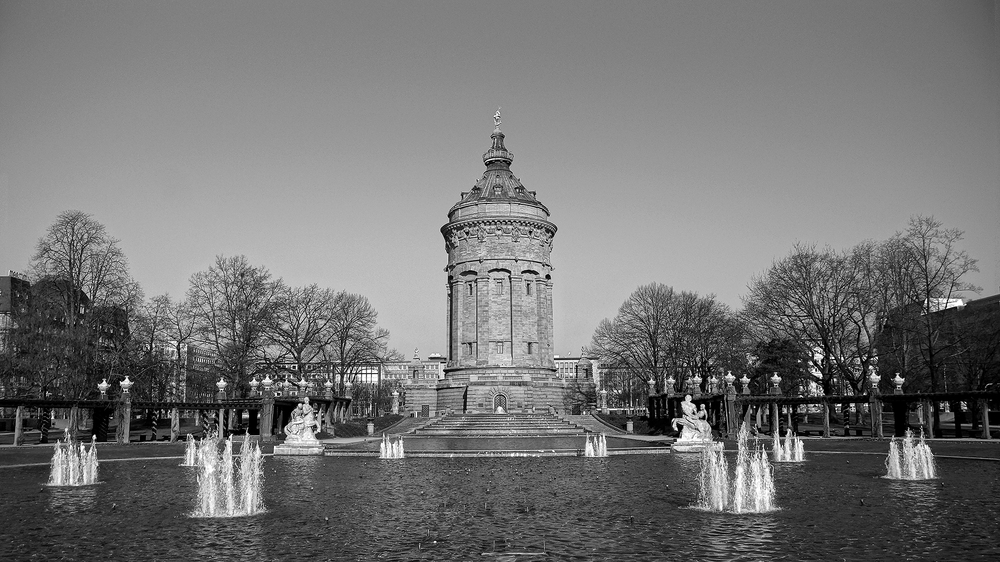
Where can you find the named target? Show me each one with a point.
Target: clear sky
(686, 143)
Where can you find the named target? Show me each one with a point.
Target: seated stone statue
(303, 425)
(694, 425)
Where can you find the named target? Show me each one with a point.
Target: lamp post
(775, 381)
(730, 378)
(267, 410)
(873, 380)
(124, 412)
(221, 385)
(875, 405)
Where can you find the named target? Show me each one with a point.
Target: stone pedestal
(694, 446)
(301, 449)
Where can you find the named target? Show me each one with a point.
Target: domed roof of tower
(498, 183)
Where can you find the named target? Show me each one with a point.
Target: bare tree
(301, 327)
(88, 264)
(355, 338)
(660, 332)
(233, 304)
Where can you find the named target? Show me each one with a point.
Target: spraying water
(73, 464)
(751, 488)
(910, 459)
(596, 446)
(789, 450)
(227, 488)
(390, 449)
(190, 452)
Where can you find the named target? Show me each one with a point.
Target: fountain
(596, 446)
(910, 460)
(225, 488)
(791, 450)
(751, 490)
(389, 449)
(73, 464)
(190, 452)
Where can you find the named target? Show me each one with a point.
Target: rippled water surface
(833, 507)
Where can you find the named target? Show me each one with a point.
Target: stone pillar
(267, 416)
(19, 426)
(175, 424)
(483, 319)
(984, 414)
(124, 416)
(926, 424)
(44, 423)
(395, 402)
(74, 421)
(826, 419)
(774, 419)
(730, 406)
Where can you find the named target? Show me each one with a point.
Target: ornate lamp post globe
(730, 378)
(898, 381)
(873, 380)
(221, 385)
(775, 380)
(712, 381)
(126, 385)
(328, 385)
(254, 383)
(267, 382)
(103, 387)
(670, 382)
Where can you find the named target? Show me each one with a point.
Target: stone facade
(499, 300)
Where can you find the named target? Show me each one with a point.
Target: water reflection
(619, 508)
(74, 500)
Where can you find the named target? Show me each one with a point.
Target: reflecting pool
(832, 506)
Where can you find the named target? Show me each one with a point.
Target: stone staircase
(499, 425)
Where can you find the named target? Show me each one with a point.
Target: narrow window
(469, 285)
(499, 287)
(527, 288)
(499, 347)
(531, 348)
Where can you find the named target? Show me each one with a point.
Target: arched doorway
(500, 404)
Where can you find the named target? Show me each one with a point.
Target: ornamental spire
(497, 153)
